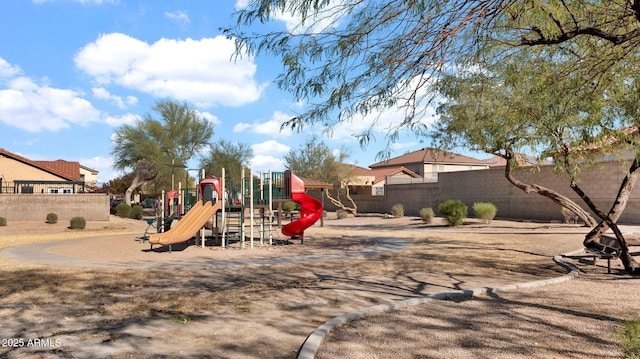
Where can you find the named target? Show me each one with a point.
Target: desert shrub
(52, 218)
(454, 211)
(123, 210)
(3, 221)
(631, 339)
(136, 212)
(569, 217)
(77, 223)
(288, 206)
(485, 211)
(342, 214)
(426, 214)
(397, 210)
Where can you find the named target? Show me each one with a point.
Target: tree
(517, 105)
(358, 57)
(349, 59)
(150, 146)
(531, 102)
(119, 185)
(232, 157)
(315, 160)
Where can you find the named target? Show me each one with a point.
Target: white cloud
(269, 128)
(265, 163)
(210, 117)
(383, 122)
(126, 119)
(37, 106)
(102, 164)
(198, 71)
(241, 127)
(7, 70)
(178, 16)
(241, 4)
(268, 156)
(33, 107)
(121, 103)
(270, 147)
(313, 22)
(401, 146)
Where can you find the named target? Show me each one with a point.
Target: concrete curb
(309, 348)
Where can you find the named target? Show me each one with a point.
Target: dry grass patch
(252, 311)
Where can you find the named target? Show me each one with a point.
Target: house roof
(380, 174)
(428, 155)
(69, 169)
(312, 183)
(60, 170)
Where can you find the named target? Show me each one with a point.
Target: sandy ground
(263, 302)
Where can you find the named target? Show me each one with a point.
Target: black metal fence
(51, 187)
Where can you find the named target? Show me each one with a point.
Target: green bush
(123, 210)
(136, 212)
(397, 210)
(454, 211)
(288, 206)
(485, 211)
(631, 339)
(3, 221)
(52, 218)
(426, 214)
(77, 223)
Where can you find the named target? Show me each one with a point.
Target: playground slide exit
(189, 225)
(310, 212)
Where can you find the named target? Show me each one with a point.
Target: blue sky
(73, 71)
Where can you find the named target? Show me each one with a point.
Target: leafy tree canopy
(232, 157)
(173, 139)
(349, 59)
(314, 159)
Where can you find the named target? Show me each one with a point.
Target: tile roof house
(315, 184)
(366, 181)
(522, 159)
(428, 162)
(22, 174)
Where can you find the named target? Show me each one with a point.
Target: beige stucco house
(364, 181)
(428, 162)
(21, 175)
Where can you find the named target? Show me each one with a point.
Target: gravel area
(273, 296)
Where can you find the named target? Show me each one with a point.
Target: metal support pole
(271, 188)
(251, 223)
(224, 204)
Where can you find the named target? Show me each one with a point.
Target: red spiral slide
(310, 212)
(310, 208)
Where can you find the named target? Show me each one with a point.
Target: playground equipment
(223, 207)
(199, 214)
(310, 209)
(188, 226)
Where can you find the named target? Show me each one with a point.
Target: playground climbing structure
(235, 212)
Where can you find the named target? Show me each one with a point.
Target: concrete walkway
(42, 254)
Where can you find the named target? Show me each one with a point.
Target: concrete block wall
(35, 207)
(600, 182)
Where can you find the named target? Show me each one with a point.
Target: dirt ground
(101, 292)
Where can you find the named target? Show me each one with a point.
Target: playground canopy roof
(315, 184)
